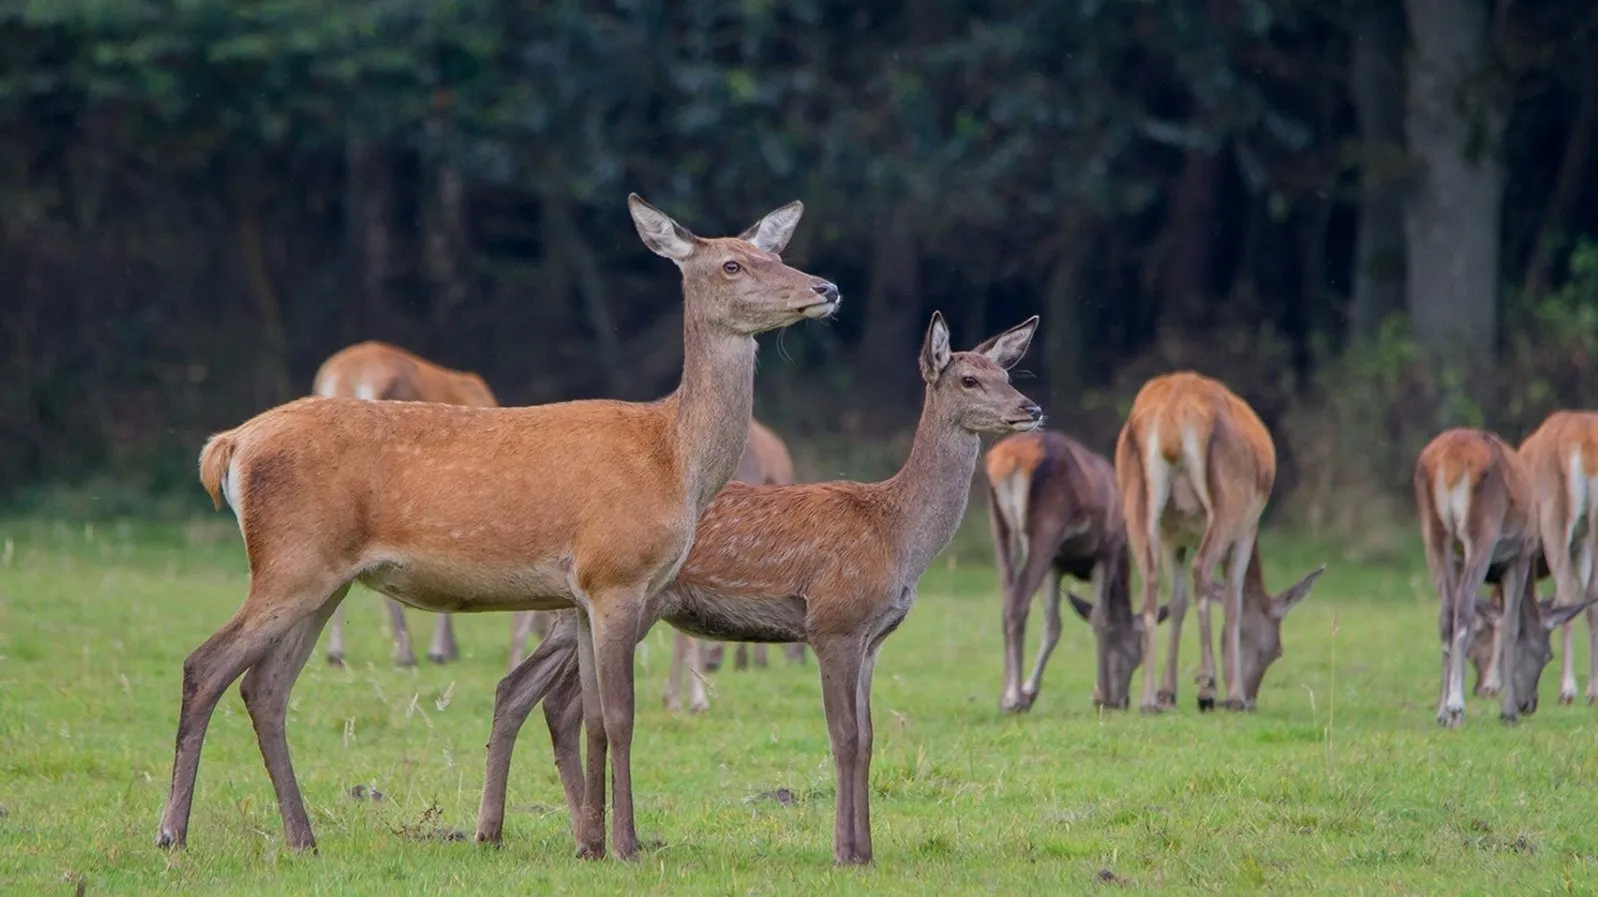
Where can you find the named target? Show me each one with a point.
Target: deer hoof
(591, 852)
(490, 839)
(1154, 708)
(335, 660)
(1165, 698)
(698, 706)
(1486, 691)
(1566, 700)
(168, 840)
(1509, 719)
(1206, 703)
(1238, 705)
(1450, 718)
(439, 659)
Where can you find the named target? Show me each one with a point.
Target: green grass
(1340, 783)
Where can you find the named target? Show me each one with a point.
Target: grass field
(1340, 783)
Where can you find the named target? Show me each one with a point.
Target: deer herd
(592, 520)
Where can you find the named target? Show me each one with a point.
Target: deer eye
(732, 267)
(968, 381)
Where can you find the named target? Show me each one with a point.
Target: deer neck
(712, 405)
(930, 491)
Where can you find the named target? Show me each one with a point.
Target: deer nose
(826, 290)
(1033, 411)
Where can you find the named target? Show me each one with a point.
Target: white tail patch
(365, 390)
(1453, 506)
(230, 491)
(326, 386)
(1010, 496)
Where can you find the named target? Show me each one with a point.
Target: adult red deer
(588, 505)
(1055, 512)
(765, 462)
(832, 564)
(1561, 458)
(1195, 466)
(1474, 492)
(374, 370)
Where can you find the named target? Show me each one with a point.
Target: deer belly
(450, 588)
(740, 620)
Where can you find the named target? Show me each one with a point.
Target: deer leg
(1589, 554)
(591, 824)
(549, 674)
(862, 779)
(614, 619)
(1211, 549)
(840, 660)
(1515, 580)
(1493, 677)
(265, 691)
(1145, 556)
(443, 649)
(760, 654)
(680, 646)
(1173, 559)
(1557, 529)
(403, 655)
(794, 651)
(1018, 592)
(1232, 622)
(698, 702)
(335, 638)
(521, 627)
(1051, 635)
(267, 615)
(1460, 620)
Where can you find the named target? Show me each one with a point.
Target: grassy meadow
(1341, 782)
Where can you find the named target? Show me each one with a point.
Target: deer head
(1262, 623)
(738, 283)
(1119, 634)
(973, 388)
(1533, 649)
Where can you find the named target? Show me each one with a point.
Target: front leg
(1051, 631)
(443, 649)
(615, 616)
(840, 659)
(1174, 574)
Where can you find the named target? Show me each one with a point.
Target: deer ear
(1300, 590)
(772, 233)
(1555, 617)
(1006, 349)
(935, 352)
(663, 236)
(1084, 609)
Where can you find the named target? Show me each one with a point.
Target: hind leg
(443, 648)
(265, 691)
(273, 608)
(403, 656)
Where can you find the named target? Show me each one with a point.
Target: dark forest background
(1370, 217)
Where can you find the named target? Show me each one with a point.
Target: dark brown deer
(1055, 512)
(832, 564)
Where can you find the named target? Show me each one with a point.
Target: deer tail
(214, 461)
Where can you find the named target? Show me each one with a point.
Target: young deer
(1195, 466)
(1054, 511)
(1484, 644)
(586, 504)
(832, 564)
(1475, 492)
(1561, 457)
(765, 462)
(374, 370)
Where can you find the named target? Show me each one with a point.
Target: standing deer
(1561, 458)
(765, 462)
(1475, 492)
(588, 505)
(374, 370)
(1195, 466)
(1055, 511)
(833, 564)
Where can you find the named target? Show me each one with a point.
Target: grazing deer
(1195, 466)
(374, 370)
(1054, 511)
(588, 505)
(1484, 644)
(765, 462)
(1561, 458)
(1474, 492)
(833, 564)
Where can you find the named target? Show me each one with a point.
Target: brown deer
(588, 505)
(1474, 492)
(1561, 457)
(765, 462)
(374, 370)
(1484, 644)
(1055, 512)
(1195, 466)
(832, 564)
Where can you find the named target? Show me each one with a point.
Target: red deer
(1195, 466)
(1055, 512)
(833, 564)
(374, 370)
(1474, 492)
(1561, 457)
(589, 505)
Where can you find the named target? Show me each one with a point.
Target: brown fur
(1055, 512)
(1195, 466)
(588, 505)
(379, 371)
(832, 564)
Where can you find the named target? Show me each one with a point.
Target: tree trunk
(444, 227)
(1189, 243)
(368, 235)
(257, 271)
(1568, 184)
(1376, 82)
(893, 304)
(1066, 331)
(1451, 217)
